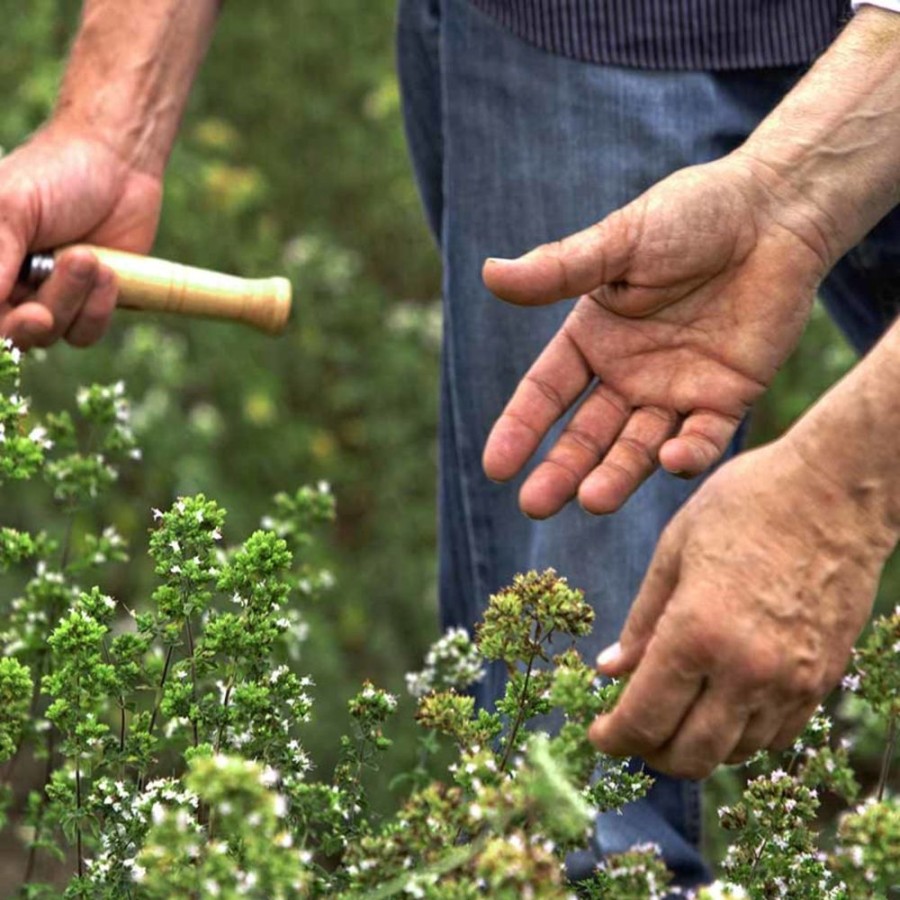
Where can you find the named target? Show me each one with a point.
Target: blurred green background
(291, 160)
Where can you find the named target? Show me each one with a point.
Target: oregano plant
(170, 728)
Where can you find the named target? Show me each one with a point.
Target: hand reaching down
(747, 616)
(691, 298)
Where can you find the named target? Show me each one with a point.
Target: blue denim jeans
(512, 147)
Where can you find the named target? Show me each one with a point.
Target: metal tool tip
(36, 269)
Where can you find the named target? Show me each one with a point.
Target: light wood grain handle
(163, 286)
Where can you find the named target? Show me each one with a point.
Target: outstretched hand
(59, 188)
(747, 614)
(691, 297)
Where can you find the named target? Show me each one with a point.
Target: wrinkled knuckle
(701, 643)
(638, 733)
(612, 398)
(557, 251)
(549, 392)
(757, 667)
(639, 455)
(581, 442)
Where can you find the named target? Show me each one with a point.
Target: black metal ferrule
(36, 269)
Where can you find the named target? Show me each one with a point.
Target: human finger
(14, 234)
(658, 696)
(555, 381)
(760, 732)
(567, 268)
(93, 319)
(631, 460)
(700, 443)
(584, 441)
(706, 736)
(794, 723)
(61, 296)
(655, 592)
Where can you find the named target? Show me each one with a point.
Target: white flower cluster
(621, 870)
(720, 890)
(370, 692)
(14, 352)
(452, 662)
(127, 817)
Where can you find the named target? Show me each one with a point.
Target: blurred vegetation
(292, 160)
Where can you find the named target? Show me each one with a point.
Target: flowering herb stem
(523, 698)
(158, 701)
(79, 849)
(39, 819)
(887, 758)
(190, 640)
(225, 701)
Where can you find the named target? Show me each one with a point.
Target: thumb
(658, 586)
(568, 268)
(13, 248)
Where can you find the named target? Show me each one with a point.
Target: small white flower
(269, 777)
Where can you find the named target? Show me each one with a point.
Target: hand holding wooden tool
(162, 286)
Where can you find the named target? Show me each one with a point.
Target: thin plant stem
(157, 704)
(78, 837)
(225, 701)
(520, 718)
(190, 640)
(67, 539)
(159, 689)
(48, 771)
(888, 758)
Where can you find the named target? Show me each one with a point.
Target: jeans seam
(693, 812)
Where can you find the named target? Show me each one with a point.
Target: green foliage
(877, 676)
(296, 166)
(173, 732)
(867, 856)
(287, 173)
(15, 692)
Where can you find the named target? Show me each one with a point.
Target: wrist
(851, 500)
(849, 437)
(129, 75)
(830, 151)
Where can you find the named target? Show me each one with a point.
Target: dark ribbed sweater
(676, 34)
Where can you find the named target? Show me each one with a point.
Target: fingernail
(500, 260)
(610, 654)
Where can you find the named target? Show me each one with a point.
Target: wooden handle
(162, 286)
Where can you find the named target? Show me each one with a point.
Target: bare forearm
(852, 434)
(130, 72)
(833, 144)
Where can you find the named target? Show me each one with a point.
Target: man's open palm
(691, 298)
